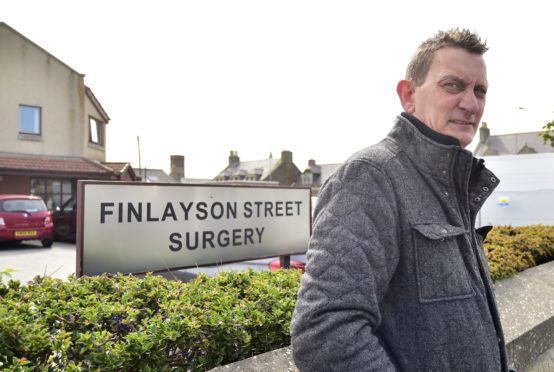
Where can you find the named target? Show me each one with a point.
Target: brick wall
(14, 184)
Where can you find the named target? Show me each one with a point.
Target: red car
(294, 264)
(25, 217)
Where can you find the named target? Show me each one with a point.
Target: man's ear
(406, 94)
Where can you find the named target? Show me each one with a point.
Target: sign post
(126, 227)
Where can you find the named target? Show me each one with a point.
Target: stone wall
(526, 305)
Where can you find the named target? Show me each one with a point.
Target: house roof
(196, 180)
(262, 167)
(117, 167)
(97, 104)
(155, 175)
(514, 143)
(53, 165)
(120, 168)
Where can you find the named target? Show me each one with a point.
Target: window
(307, 178)
(96, 131)
(29, 119)
(20, 204)
(54, 192)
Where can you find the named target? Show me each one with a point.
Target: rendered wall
(92, 151)
(31, 76)
(525, 195)
(518, 208)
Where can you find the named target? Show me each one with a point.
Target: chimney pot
(286, 156)
(484, 133)
(177, 163)
(234, 158)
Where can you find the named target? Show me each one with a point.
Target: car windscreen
(22, 205)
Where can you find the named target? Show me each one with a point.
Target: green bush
(155, 324)
(510, 250)
(127, 323)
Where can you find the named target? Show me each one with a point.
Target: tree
(547, 133)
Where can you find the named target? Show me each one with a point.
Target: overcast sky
(318, 78)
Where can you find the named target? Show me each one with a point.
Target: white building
(525, 195)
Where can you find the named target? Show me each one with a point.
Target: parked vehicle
(294, 264)
(25, 217)
(65, 220)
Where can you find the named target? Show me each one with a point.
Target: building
(52, 127)
(510, 144)
(155, 175)
(525, 194)
(281, 171)
(525, 166)
(176, 175)
(316, 174)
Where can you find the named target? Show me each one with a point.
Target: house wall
(286, 173)
(525, 194)
(14, 184)
(31, 76)
(92, 150)
(518, 208)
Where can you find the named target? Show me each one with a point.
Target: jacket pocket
(440, 268)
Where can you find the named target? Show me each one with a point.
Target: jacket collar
(432, 152)
(438, 156)
(430, 133)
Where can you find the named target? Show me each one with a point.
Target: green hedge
(127, 323)
(513, 249)
(155, 324)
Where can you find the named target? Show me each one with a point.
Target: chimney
(286, 157)
(177, 167)
(311, 163)
(484, 132)
(234, 158)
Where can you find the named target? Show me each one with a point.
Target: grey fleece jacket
(396, 277)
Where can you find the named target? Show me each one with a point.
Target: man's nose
(469, 101)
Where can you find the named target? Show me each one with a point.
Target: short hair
(421, 61)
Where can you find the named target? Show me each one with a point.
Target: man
(396, 276)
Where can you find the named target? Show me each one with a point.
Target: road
(31, 259)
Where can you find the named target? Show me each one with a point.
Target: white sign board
(140, 227)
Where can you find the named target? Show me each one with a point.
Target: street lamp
(517, 109)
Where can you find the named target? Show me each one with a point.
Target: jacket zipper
(482, 270)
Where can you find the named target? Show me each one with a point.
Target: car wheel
(47, 243)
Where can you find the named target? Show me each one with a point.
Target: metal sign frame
(102, 212)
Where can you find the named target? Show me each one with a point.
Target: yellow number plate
(25, 233)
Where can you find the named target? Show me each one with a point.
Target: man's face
(451, 100)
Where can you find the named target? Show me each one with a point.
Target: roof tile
(54, 164)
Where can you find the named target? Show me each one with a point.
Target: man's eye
(480, 93)
(453, 86)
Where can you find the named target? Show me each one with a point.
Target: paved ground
(544, 363)
(31, 259)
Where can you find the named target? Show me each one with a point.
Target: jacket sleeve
(352, 256)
